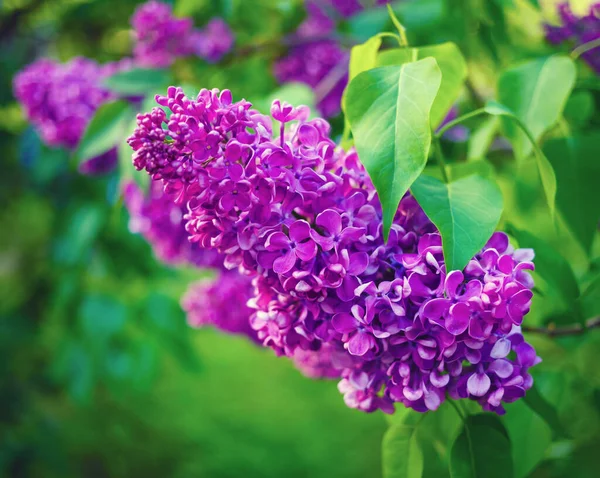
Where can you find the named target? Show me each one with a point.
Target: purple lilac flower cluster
(160, 37)
(221, 302)
(300, 215)
(60, 99)
(159, 220)
(577, 31)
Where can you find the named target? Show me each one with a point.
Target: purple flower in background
(458, 133)
(402, 329)
(317, 363)
(159, 220)
(160, 37)
(213, 41)
(220, 302)
(322, 65)
(576, 31)
(60, 100)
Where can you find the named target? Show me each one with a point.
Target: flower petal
(478, 384)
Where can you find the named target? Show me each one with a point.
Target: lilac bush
(301, 216)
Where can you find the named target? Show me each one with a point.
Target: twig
(574, 329)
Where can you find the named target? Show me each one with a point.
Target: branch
(574, 329)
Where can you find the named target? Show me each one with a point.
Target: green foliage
(536, 92)
(139, 81)
(465, 211)
(402, 455)
(389, 112)
(482, 449)
(104, 130)
(451, 63)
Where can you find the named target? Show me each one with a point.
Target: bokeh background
(100, 376)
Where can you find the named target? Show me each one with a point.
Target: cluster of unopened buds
(297, 216)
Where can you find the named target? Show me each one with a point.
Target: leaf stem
(401, 30)
(573, 329)
(461, 119)
(581, 49)
(439, 157)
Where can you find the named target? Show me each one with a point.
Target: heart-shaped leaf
(482, 450)
(536, 92)
(388, 109)
(465, 211)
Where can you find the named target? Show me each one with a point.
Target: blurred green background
(101, 377)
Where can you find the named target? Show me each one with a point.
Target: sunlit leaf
(536, 92)
(451, 63)
(388, 109)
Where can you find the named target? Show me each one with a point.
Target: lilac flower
(576, 31)
(457, 134)
(160, 38)
(220, 302)
(401, 327)
(159, 220)
(322, 65)
(60, 100)
(213, 41)
(317, 363)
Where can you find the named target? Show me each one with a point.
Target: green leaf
(402, 456)
(536, 401)
(530, 436)
(575, 161)
(589, 302)
(482, 450)
(127, 172)
(362, 58)
(481, 138)
(138, 81)
(465, 211)
(579, 108)
(104, 130)
(388, 109)
(536, 92)
(451, 63)
(553, 275)
(545, 169)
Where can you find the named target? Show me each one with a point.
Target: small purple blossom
(308, 230)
